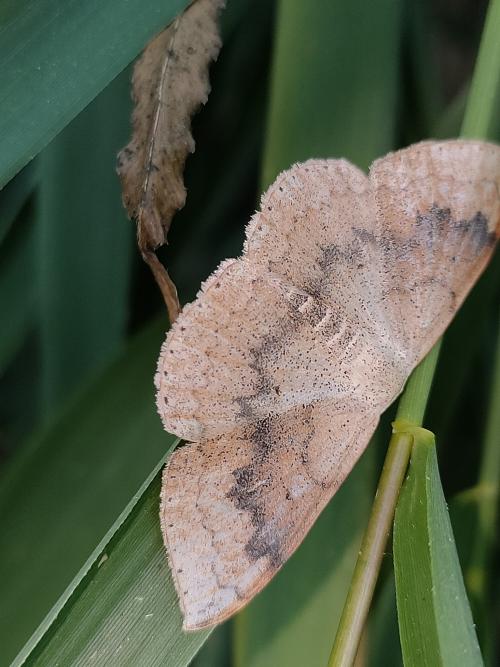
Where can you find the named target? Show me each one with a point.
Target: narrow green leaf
(55, 57)
(329, 97)
(481, 114)
(85, 245)
(70, 483)
(122, 608)
(435, 621)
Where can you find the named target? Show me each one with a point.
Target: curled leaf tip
(169, 84)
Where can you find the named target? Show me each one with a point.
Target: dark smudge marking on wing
(250, 480)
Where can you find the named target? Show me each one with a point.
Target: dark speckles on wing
(317, 313)
(252, 481)
(432, 224)
(269, 348)
(333, 256)
(261, 545)
(262, 438)
(247, 411)
(248, 491)
(364, 235)
(438, 222)
(330, 255)
(246, 494)
(478, 227)
(297, 299)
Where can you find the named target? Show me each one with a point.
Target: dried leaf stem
(164, 282)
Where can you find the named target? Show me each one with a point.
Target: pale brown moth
(279, 371)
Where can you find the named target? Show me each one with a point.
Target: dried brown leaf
(169, 84)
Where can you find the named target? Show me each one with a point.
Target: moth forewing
(280, 369)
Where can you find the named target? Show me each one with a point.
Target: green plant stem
(411, 408)
(413, 401)
(371, 552)
(480, 121)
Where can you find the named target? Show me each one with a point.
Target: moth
(277, 374)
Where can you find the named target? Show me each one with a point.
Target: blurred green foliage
(83, 321)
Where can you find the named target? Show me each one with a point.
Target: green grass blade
(85, 245)
(70, 483)
(123, 611)
(55, 57)
(481, 114)
(329, 98)
(435, 621)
